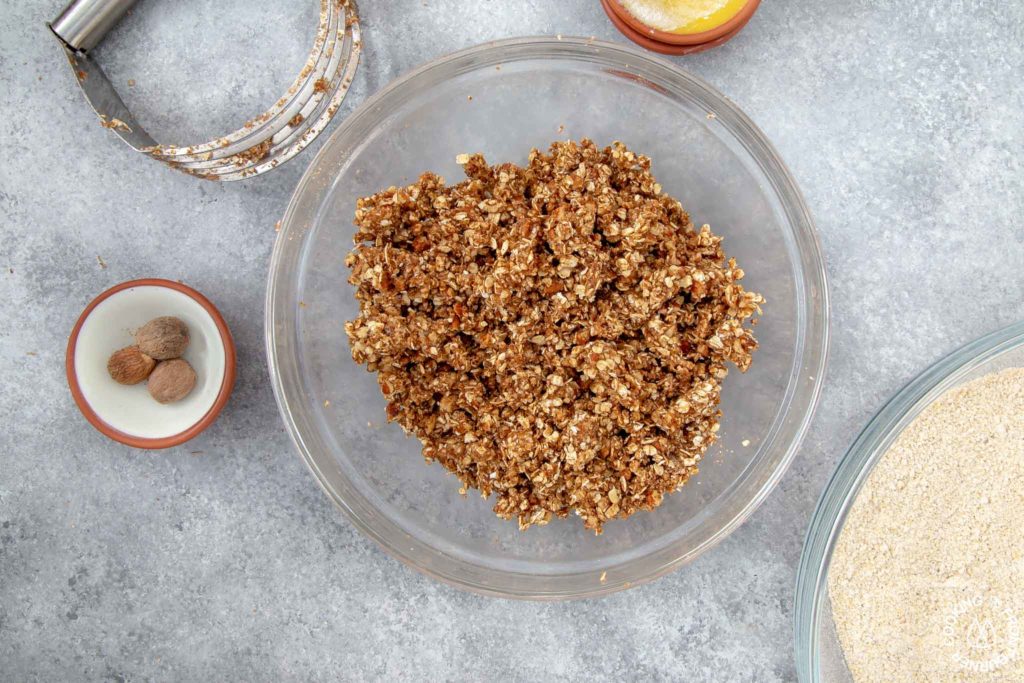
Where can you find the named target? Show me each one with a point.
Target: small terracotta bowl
(128, 414)
(676, 43)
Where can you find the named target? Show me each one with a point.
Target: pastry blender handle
(83, 23)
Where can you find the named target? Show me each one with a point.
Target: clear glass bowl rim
(851, 473)
(659, 74)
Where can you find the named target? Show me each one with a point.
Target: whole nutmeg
(129, 365)
(172, 380)
(163, 338)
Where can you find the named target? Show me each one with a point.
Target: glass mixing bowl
(819, 656)
(502, 99)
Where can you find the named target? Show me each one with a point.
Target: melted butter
(684, 16)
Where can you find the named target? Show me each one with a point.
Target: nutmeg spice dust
(556, 335)
(927, 578)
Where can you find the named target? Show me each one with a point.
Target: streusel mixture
(556, 334)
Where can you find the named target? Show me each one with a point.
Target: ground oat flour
(927, 579)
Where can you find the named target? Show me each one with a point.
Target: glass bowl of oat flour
(501, 99)
(913, 566)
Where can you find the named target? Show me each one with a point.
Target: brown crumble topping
(254, 153)
(556, 335)
(114, 124)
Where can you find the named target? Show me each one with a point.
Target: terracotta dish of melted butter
(684, 16)
(680, 27)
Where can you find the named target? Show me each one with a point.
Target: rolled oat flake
(927, 579)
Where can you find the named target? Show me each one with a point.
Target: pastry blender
(263, 142)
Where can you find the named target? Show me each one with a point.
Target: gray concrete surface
(222, 560)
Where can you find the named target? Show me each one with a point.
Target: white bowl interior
(130, 409)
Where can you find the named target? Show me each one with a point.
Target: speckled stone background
(222, 560)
